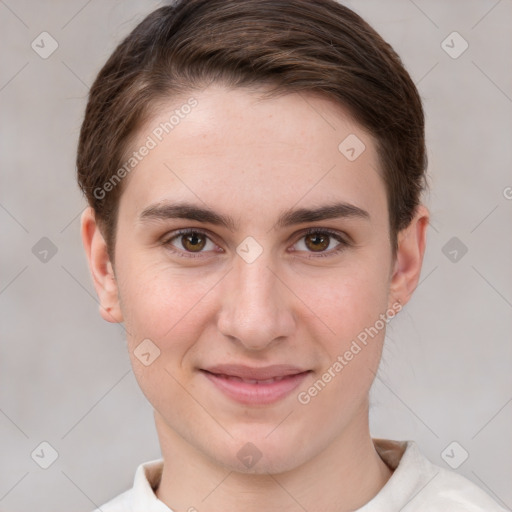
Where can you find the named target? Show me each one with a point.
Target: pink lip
(252, 372)
(228, 379)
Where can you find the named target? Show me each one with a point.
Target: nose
(256, 308)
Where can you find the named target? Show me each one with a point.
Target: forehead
(231, 148)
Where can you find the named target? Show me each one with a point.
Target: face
(254, 273)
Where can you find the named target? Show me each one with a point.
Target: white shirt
(416, 485)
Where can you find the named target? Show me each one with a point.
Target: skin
(251, 159)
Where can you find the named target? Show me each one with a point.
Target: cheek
(350, 303)
(161, 303)
(351, 306)
(170, 309)
(345, 301)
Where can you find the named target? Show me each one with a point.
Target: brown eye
(193, 242)
(190, 243)
(321, 242)
(317, 241)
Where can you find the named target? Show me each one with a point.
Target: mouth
(255, 386)
(252, 381)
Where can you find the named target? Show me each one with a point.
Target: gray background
(65, 375)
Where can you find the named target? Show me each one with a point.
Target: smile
(255, 391)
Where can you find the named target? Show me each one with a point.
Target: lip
(253, 372)
(252, 385)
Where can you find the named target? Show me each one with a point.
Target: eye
(192, 243)
(316, 240)
(189, 241)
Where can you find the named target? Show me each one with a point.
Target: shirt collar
(147, 478)
(411, 472)
(403, 457)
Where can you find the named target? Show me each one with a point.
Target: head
(287, 139)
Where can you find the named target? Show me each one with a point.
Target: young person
(254, 172)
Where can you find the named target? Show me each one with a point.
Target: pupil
(193, 241)
(318, 241)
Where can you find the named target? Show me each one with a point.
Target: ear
(409, 257)
(101, 268)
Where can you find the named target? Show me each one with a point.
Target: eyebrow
(184, 210)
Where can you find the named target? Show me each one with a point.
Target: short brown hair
(289, 45)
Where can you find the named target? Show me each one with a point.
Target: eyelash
(322, 231)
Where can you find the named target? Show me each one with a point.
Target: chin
(260, 456)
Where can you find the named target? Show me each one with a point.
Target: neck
(344, 476)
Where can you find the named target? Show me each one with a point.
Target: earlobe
(101, 268)
(409, 257)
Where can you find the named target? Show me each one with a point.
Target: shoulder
(141, 497)
(121, 503)
(448, 491)
(418, 485)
